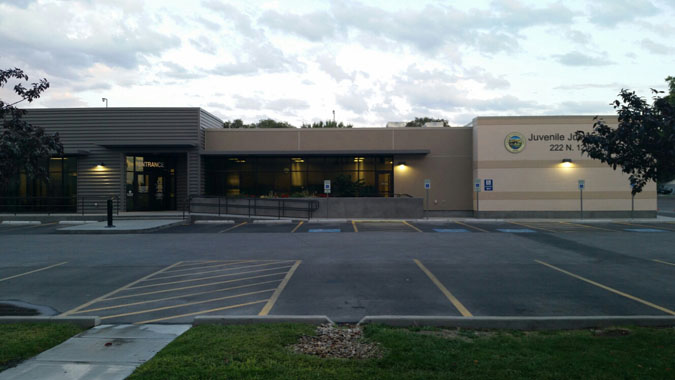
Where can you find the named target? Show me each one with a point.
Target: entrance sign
(487, 184)
(427, 184)
(326, 186)
(476, 185)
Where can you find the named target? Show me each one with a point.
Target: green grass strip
(20, 341)
(260, 352)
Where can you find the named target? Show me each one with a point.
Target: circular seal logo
(514, 142)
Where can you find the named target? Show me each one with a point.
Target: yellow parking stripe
(354, 225)
(455, 302)
(174, 297)
(87, 304)
(270, 303)
(233, 227)
(657, 307)
(201, 312)
(528, 226)
(593, 227)
(469, 226)
(411, 226)
(298, 226)
(212, 266)
(206, 278)
(218, 270)
(663, 262)
(643, 226)
(193, 286)
(184, 304)
(33, 271)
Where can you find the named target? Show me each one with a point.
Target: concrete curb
(21, 222)
(108, 231)
(521, 323)
(272, 221)
(254, 319)
(77, 221)
(86, 322)
(212, 221)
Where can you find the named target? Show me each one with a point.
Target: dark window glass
(298, 176)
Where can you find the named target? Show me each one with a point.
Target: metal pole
(632, 204)
(218, 206)
(249, 208)
(477, 205)
(110, 213)
(581, 201)
(427, 196)
(278, 209)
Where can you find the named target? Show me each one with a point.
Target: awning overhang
(296, 153)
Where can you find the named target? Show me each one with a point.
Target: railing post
(218, 206)
(279, 208)
(255, 206)
(227, 211)
(249, 207)
(82, 206)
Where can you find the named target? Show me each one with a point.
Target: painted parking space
(14, 273)
(178, 292)
(516, 230)
(311, 226)
(450, 230)
(384, 226)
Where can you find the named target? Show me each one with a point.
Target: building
(156, 158)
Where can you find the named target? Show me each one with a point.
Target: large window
(58, 194)
(299, 176)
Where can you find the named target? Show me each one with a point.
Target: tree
(265, 123)
(643, 144)
(420, 121)
(24, 146)
(327, 124)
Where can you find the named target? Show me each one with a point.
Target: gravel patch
(335, 342)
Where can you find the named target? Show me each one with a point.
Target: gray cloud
(610, 13)
(91, 87)
(656, 48)
(352, 102)
(328, 65)
(208, 23)
(579, 37)
(576, 58)
(580, 108)
(176, 71)
(585, 86)
(279, 105)
(43, 37)
(259, 58)
(313, 26)
(204, 44)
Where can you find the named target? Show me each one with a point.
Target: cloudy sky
(370, 61)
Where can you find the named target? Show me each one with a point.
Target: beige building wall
(534, 180)
(442, 155)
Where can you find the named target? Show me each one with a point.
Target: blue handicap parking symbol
(324, 230)
(643, 230)
(450, 230)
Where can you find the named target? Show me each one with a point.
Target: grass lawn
(260, 352)
(20, 341)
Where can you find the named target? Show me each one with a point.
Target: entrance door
(384, 184)
(150, 183)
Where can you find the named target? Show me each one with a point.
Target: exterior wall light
(100, 166)
(567, 163)
(400, 163)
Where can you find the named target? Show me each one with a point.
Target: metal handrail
(57, 205)
(279, 207)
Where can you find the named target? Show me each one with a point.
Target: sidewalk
(106, 352)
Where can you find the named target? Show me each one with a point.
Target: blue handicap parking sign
(487, 184)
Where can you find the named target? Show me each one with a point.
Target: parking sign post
(476, 188)
(427, 186)
(582, 184)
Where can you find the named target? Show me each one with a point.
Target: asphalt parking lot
(345, 269)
